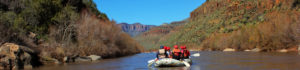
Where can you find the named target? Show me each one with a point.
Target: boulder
(283, 50)
(77, 58)
(247, 50)
(229, 50)
(14, 56)
(49, 60)
(23, 59)
(293, 49)
(298, 48)
(210, 49)
(65, 59)
(9, 50)
(8, 56)
(6, 62)
(95, 57)
(256, 50)
(31, 35)
(28, 67)
(83, 59)
(70, 58)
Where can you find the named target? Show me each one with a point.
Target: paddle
(196, 55)
(186, 64)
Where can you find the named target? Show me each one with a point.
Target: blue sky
(150, 12)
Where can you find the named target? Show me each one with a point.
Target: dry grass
(92, 37)
(269, 35)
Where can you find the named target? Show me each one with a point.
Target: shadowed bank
(58, 29)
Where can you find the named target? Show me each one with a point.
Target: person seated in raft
(161, 53)
(185, 53)
(176, 53)
(168, 51)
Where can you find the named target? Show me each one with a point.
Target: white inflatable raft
(169, 62)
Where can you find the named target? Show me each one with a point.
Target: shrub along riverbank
(55, 29)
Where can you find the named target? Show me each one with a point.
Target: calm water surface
(206, 61)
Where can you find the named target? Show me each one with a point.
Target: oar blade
(186, 64)
(196, 55)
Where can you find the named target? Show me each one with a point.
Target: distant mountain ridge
(134, 29)
(151, 38)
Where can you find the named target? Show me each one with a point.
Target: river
(206, 61)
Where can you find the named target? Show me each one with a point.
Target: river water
(206, 61)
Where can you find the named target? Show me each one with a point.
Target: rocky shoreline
(13, 56)
(293, 49)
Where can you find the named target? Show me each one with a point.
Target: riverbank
(14, 56)
(292, 49)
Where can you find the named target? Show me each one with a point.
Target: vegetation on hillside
(59, 28)
(240, 24)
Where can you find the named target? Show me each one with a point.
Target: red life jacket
(176, 52)
(186, 53)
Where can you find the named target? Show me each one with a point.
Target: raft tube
(169, 62)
